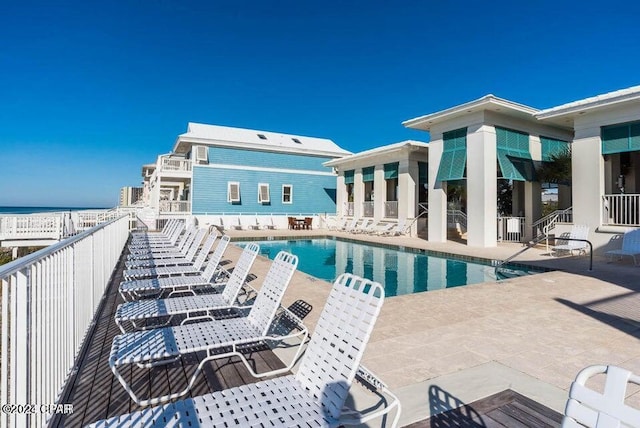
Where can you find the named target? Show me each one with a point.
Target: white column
(358, 193)
(481, 186)
(587, 170)
(437, 216)
(379, 193)
(341, 196)
(407, 193)
(532, 206)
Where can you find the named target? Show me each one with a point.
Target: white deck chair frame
(185, 259)
(180, 247)
(141, 311)
(161, 346)
(168, 241)
(588, 408)
(578, 231)
(177, 284)
(315, 395)
(166, 231)
(630, 247)
(169, 231)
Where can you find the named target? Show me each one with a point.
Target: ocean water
(34, 210)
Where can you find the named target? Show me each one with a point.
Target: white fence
(175, 206)
(621, 210)
(49, 299)
(172, 164)
(32, 226)
(511, 229)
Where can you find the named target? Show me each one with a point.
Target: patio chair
(362, 227)
(577, 232)
(338, 224)
(163, 234)
(190, 259)
(221, 338)
(185, 259)
(168, 241)
(352, 225)
(293, 224)
(588, 408)
(185, 282)
(384, 229)
(238, 225)
(142, 311)
(630, 247)
(315, 395)
(307, 223)
(256, 225)
(271, 225)
(179, 250)
(399, 229)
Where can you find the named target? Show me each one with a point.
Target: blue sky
(91, 91)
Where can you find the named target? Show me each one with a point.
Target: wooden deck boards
(504, 409)
(96, 394)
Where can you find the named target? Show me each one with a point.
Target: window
(233, 192)
(262, 136)
(200, 154)
(263, 193)
(287, 194)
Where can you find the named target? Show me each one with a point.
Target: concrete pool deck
(530, 334)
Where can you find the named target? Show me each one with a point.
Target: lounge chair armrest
(389, 401)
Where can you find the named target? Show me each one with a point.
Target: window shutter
(233, 192)
(201, 154)
(263, 193)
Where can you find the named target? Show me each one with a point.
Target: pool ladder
(528, 245)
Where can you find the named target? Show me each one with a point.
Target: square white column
(437, 216)
(587, 170)
(341, 196)
(379, 193)
(481, 186)
(358, 193)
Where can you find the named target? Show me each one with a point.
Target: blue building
(229, 175)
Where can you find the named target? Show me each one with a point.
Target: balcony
(175, 164)
(367, 209)
(172, 207)
(391, 209)
(621, 210)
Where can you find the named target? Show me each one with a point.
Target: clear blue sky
(90, 91)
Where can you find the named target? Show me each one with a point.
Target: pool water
(400, 272)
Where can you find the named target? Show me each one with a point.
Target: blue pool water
(401, 272)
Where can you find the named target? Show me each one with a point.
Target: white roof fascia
(384, 150)
(591, 103)
(488, 102)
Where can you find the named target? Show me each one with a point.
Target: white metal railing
(173, 164)
(548, 222)
(457, 218)
(511, 229)
(175, 206)
(621, 210)
(349, 209)
(31, 226)
(391, 209)
(49, 299)
(367, 209)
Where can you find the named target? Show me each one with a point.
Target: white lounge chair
(362, 227)
(137, 314)
(398, 229)
(182, 269)
(180, 244)
(187, 258)
(352, 225)
(314, 396)
(630, 247)
(384, 229)
(165, 345)
(271, 225)
(256, 225)
(238, 225)
(184, 283)
(338, 224)
(163, 234)
(168, 241)
(589, 408)
(577, 232)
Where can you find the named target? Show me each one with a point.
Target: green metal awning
(391, 170)
(348, 176)
(454, 156)
(620, 138)
(367, 174)
(514, 158)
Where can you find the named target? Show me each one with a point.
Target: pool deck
(531, 334)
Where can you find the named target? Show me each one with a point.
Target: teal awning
(551, 147)
(391, 170)
(620, 138)
(514, 158)
(454, 156)
(348, 176)
(367, 173)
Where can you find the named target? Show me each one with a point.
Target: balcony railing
(367, 209)
(621, 210)
(391, 209)
(49, 299)
(170, 164)
(32, 226)
(175, 206)
(349, 209)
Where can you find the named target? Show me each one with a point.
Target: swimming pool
(401, 272)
